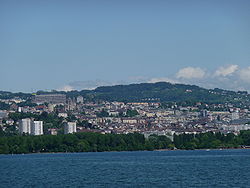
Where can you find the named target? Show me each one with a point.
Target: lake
(198, 168)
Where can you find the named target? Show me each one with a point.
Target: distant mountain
(154, 92)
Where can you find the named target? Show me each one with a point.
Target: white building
(25, 126)
(64, 115)
(20, 109)
(235, 115)
(37, 127)
(69, 127)
(51, 107)
(79, 99)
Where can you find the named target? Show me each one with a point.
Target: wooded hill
(153, 92)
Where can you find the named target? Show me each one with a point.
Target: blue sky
(54, 44)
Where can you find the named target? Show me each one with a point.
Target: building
(37, 127)
(79, 99)
(235, 115)
(71, 104)
(25, 126)
(51, 107)
(52, 131)
(69, 127)
(64, 115)
(50, 98)
(129, 121)
(204, 113)
(3, 114)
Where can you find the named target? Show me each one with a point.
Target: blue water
(215, 168)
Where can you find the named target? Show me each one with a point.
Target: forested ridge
(150, 92)
(162, 92)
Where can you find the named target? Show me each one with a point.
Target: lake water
(215, 168)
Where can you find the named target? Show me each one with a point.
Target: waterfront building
(52, 131)
(69, 127)
(25, 126)
(37, 127)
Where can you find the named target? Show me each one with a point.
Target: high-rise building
(25, 126)
(69, 127)
(37, 127)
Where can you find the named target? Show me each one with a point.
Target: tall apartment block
(69, 127)
(25, 126)
(37, 127)
(30, 127)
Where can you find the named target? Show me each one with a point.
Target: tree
(131, 113)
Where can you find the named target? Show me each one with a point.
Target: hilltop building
(50, 98)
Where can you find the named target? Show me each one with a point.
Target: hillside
(153, 92)
(166, 92)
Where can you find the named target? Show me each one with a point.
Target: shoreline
(200, 149)
(159, 150)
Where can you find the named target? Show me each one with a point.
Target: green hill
(153, 92)
(166, 92)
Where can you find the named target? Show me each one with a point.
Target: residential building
(25, 126)
(69, 127)
(52, 131)
(37, 127)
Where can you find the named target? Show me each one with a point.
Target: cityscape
(76, 114)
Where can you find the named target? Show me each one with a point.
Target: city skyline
(82, 45)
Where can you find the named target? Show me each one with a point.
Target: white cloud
(231, 77)
(66, 88)
(154, 80)
(226, 71)
(244, 75)
(88, 84)
(191, 73)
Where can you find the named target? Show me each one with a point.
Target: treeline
(82, 142)
(10, 95)
(212, 140)
(96, 142)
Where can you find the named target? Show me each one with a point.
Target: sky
(81, 44)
